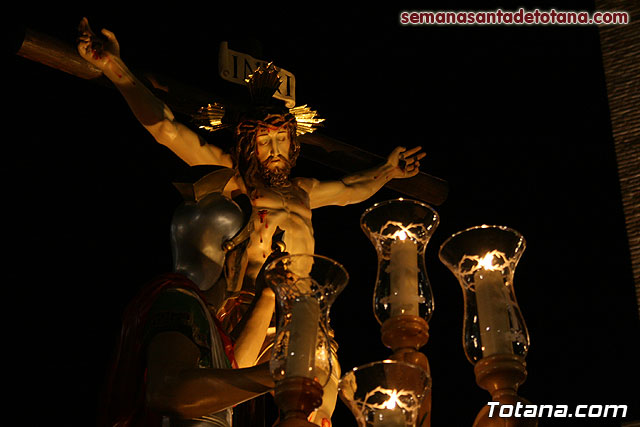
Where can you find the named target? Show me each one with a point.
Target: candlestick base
(405, 335)
(296, 398)
(501, 375)
(405, 331)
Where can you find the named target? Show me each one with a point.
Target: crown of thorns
(262, 84)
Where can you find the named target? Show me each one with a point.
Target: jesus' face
(272, 149)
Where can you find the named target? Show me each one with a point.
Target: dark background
(514, 118)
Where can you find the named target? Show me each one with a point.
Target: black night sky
(515, 119)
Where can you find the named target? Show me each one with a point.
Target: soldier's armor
(209, 233)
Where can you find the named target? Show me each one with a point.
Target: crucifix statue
(183, 382)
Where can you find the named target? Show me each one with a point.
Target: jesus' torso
(287, 208)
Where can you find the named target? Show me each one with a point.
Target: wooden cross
(184, 99)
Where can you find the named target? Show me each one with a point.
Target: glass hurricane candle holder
(495, 337)
(305, 287)
(387, 393)
(484, 259)
(400, 231)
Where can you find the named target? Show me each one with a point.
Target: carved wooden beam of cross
(184, 99)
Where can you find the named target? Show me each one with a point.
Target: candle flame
(405, 400)
(392, 401)
(491, 261)
(487, 261)
(399, 231)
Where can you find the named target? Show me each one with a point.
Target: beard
(277, 176)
